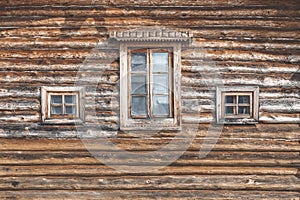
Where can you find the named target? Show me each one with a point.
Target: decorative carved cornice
(152, 34)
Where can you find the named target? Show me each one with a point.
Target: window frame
(150, 73)
(251, 118)
(48, 118)
(170, 123)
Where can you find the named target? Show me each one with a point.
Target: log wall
(52, 43)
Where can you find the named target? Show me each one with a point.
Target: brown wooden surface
(65, 169)
(248, 42)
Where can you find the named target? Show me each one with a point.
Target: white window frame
(251, 118)
(48, 91)
(127, 123)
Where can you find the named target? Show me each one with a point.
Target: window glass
(229, 110)
(56, 110)
(138, 106)
(70, 110)
(138, 62)
(244, 99)
(56, 99)
(244, 110)
(160, 62)
(161, 84)
(160, 105)
(138, 84)
(70, 99)
(229, 99)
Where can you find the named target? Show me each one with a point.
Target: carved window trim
(47, 92)
(250, 117)
(171, 123)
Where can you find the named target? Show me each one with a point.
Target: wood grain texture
(238, 43)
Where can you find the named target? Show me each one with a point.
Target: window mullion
(237, 105)
(170, 91)
(150, 82)
(63, 105)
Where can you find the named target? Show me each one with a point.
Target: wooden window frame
(173, 121)
(149, 73)
(235, 118)
(48, 118)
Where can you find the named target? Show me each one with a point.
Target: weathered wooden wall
(244, 42)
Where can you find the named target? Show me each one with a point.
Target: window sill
(64, 121)
(236, 122)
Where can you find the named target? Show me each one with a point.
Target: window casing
(150, 86)
(62, 104)
(237, 105)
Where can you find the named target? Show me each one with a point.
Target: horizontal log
(287, 132)
(236, 55)
(146, 194)
(200, 32)
(277, 183)
(175, 12)
(110, 171)
(151, 144)
(271, 118)
(192, 66)
(243, 80)
(191, 158)
(136, 21)
(208, 3)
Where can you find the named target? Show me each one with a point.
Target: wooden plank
(191, 158)
(102, 170)
(196, 182)
(208, 3)
(147, 194)
(257, 145)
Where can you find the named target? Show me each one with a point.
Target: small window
(62, 104)
(237, 105)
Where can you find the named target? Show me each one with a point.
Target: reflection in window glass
(244, 110)
(70, 110)
(138, 106)
(229, 110)
(56, 99)
(229, 99)
(161, 84)
(160, 105)
(138, 85)
(138, 62)
(160, 62)
(244, 99)
(70, 99)
(56, 110)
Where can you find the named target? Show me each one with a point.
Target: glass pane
(244, 110)
(70, 99)
(229, 110)
(56, 99)
(244, 99)
(138, 85)
(56, 110)
(160, 62)
(160, 105)
(229, 99)
(138, 61)
(70, 110)
(161, 84)
(138, 106)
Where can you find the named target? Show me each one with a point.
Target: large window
(150, 86)
(62, 104)
(237, 105)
